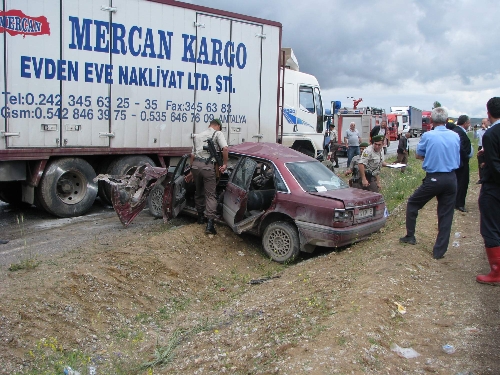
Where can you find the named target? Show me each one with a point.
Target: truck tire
(281, 241)
(155, 201)
(67, 188)
(104, 192)
(122, 166)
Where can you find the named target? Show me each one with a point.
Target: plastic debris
(401, 308)
(456, 244)
(404, 352)
(448, 349)
(457, 234)
(69, 371)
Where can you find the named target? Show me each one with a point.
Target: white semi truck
(94, 87)
(409, 119)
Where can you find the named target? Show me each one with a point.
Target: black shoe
(210, 227)
(437, 258)
(201, 218)
(336, 166)
(408, 239)
(3, 242)
(461, 209)
(478, 182)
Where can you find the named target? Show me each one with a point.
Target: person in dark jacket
(403, 150)
(462, 172)
(489, 197)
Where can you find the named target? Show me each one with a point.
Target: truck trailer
(92, 87)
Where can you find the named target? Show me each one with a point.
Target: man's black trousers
(462, 184)
(443, 186)
(489, 207)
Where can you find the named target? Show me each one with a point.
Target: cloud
(392, 52)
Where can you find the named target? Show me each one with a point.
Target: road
(391, 150)
(31, 230)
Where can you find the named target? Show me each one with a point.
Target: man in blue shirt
(440, 151)
(489, 197)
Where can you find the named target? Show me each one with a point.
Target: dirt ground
(209, 305)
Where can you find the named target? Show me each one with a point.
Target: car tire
(67, 187)
(155, 201)
(281, 241)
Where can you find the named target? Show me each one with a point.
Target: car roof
(271, 151)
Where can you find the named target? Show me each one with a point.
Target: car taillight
(342, 215)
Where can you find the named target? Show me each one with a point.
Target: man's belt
(203, 160)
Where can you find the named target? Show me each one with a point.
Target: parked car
(292, 201)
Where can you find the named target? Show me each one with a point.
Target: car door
(236, 197)
(174, 196)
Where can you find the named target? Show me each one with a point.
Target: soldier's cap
(378, 138)
(216, 121)
(462, 119)
(364, 144)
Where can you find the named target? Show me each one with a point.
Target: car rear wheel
(281, 241)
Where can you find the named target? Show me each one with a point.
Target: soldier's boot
(336, 159)
(201, 218)
(210, 227)
(493, 278)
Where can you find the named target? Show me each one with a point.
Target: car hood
(351, 197)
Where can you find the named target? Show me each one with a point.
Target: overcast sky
(391, 52)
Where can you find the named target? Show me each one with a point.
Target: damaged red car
(292, 201)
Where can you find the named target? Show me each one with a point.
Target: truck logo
(289, 114)
(15, 22)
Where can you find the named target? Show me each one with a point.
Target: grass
(29, 262)
(49, 358)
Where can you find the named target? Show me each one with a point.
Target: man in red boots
(489, 197)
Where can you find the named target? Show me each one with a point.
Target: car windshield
(314, 176)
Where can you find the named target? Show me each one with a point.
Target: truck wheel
(67, 188)
(155, 201)
(103, 191)
(281, 241)
(122, 166)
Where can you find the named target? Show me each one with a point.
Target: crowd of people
(445, 153)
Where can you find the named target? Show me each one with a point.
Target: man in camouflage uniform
(370, 164)
(204, 174)
(353, 169)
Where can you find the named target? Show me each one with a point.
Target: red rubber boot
(493, 278)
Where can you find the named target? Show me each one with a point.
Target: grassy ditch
(133, 353)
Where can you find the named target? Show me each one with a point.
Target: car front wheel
(281, 241)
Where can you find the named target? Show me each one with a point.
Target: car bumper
(320, 235)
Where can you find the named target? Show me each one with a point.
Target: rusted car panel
(320, 235)
(129, 193)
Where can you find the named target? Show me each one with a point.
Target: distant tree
(436, 104)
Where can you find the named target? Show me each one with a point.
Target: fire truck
(426, 121)
(365, 119)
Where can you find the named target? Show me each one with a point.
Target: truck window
(405, 118)
(319, 110)
(306, 99)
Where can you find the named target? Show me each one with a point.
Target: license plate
(365, 212)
